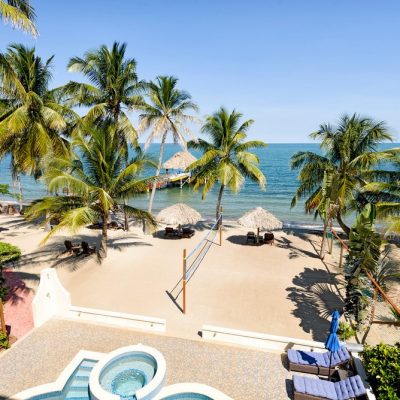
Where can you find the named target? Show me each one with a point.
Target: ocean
(274, 162)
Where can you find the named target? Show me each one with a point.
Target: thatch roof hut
(179, 214)
(260, 219)
(180, 160)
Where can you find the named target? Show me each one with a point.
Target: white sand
(282, 290)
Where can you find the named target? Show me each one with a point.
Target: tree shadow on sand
(315, 296)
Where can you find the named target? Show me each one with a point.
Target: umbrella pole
(258, 235)
(329, 369)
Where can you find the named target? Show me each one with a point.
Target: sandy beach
(283, 289)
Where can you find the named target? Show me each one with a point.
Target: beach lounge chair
(269, 238)
(86, 249)
(306, 388)
(187, 233)
(170, 232)
(317, 363)
(71, 248)
(251, 237)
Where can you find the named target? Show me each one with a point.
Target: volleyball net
(191, 261)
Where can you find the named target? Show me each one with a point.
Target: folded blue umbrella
(332, 342)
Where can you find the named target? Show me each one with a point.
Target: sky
(288, 64)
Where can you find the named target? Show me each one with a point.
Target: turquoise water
(274, 162)
(187, 396)
(77, 387)
(127, 374)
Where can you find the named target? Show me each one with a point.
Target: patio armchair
(317, 363)
(170, 232)
(251, 237)
(306, 388)
(70, 247)
(269, 238)
(86, 249)
(187, 233)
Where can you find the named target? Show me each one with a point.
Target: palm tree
(20, 14)
(99, 179)
(166, 112)
(385, 274)
(384, 191)
(114, 87)
(227, 159)
(351, 152)
(31, 120)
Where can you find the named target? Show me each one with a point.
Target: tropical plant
(382, 365)
(114, 88)
(4, 342)
(20, 14)
(8, 253)
(350, 151)
(31, 121)
(227, 158)
(98, 178)
(166, 111)
(364, 256)
(346, 331)
(384, 191)
(385, 274)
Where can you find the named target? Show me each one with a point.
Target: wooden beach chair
(86, 249)
(251, 237)
(71, 248)
(187, 233)
(269, 238)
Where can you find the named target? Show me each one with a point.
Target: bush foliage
(382, 364)
(8, 253)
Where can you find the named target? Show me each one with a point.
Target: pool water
(77, 386)
(187, 396)
(126, 374)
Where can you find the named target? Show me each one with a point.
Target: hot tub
(131, 373)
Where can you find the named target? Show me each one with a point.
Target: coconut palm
(20, 14)
(227, 158)
(114, 87)
(384, 191)
(98, 179)
(31, 120)
(351, 151)
(166, 111)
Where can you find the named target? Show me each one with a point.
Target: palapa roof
(180, 160)
(179, 214)
(258, 218)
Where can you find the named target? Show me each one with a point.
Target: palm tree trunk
(345, 228)
(126, 219)
(372, 316)
(103, 245)
(219, 201)
(160, 159)
(20, 194)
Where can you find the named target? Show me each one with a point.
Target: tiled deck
(241, 373)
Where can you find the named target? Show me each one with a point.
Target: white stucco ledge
(147, 392)
(259, 340)
(59, 384)
(117, 319)
(192, 388)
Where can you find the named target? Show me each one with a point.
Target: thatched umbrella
(180, 160)
(260, 219)
(179, 214)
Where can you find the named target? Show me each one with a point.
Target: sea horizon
(274, 162)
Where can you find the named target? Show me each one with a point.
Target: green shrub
(382, 364)
(8, 252)
(4, 340)
(346, 331)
